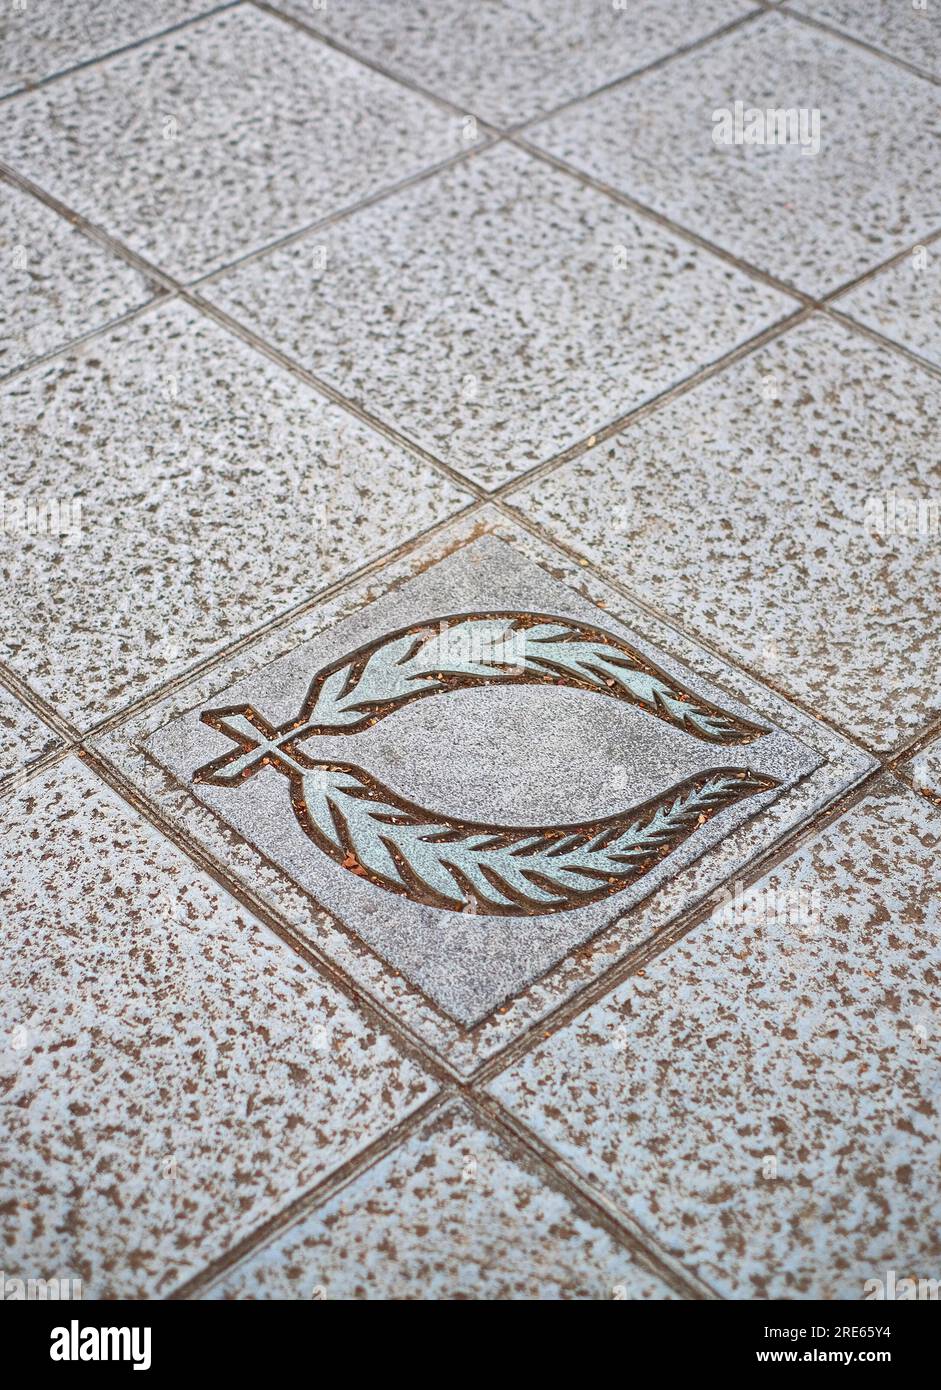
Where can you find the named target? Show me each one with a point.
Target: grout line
(95, 233)
(661, 401)
(865, 330)
(676, 930)
(749, 17)
(582, 1192)
(347, 403)
(812, 22)
(380, 1015)
(365, 61)
(691, 634)
(283, 619)
(157, 300)
(29, 88)
(321, 223)
(676, 229)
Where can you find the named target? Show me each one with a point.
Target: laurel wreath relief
(465, 865)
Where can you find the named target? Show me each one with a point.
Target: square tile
(498, 312)
(463, 1215)
(173, 1073)
(814, 220)
(23, 736)
(518, 756)
(127, 748)
(42, 37)
(903, 302)
(764, 1097)
(217, 139)
(766, 512)
(513, 59)
(197, 491)
(910, 30)
(59, 284)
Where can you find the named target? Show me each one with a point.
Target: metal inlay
(462, 864)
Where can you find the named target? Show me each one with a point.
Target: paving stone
(173, 1074)
(764, 1098)
(59, 284)
(903, 302)
(200, 491)
(498, 312)
(770, 510)
(23, 736)
(908, 31)
(515, 735)
(925, 770)
(42, 37)
(508, 61)
(462, 1216)
(814, 220)
(219, 138)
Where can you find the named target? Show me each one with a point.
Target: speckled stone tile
(41, 37)
(202, 489)
(764, 1099)
(903, 302)
(129, 748)
(510, 60)
(226, 135)
(905, 30)
(173, 1074)
(462, 1215)
(58, 284)
(23, 736)
(491, 747)
(814, 220)
(498, 312)
(765, 510)
(925, 770)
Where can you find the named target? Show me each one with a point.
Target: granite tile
(454, 1213)
(510, 60)
(482, 773)
(353, 610)
(770, 510)
(173, 1074)
(59, 284)
(498, 312)
(39, 38)
(217, 139)
(764, 1097)
(903, 302)
(925, 771)
(177, 489)
(23, 736)
(812, 219)
(910, 30)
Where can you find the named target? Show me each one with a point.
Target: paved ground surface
(470, 680)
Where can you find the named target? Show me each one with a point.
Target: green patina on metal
(462, 864)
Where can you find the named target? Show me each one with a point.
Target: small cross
(260, 744)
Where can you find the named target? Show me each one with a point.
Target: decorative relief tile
(172, 1073)
(462, 1216)
(480, 771)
